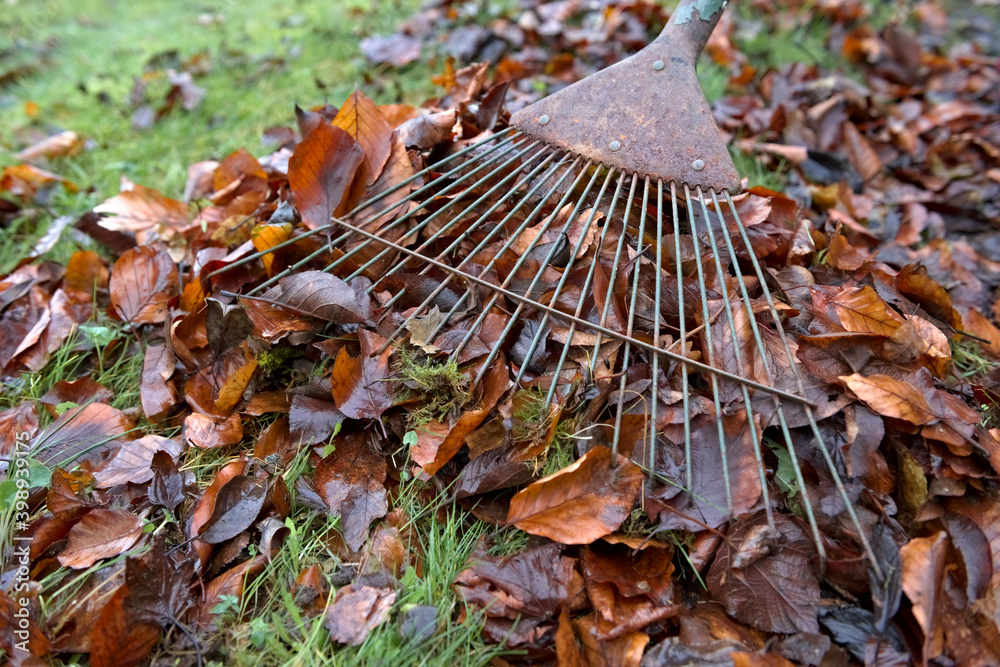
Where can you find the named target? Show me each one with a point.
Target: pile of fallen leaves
(881, 249)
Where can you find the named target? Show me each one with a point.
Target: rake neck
(690, 26)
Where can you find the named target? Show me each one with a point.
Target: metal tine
(614, 271)
(406, 216)
(658, 273)
(758, 458)
(685, 391)
(565, 274)
(631, 322)
(455, 219)
(585, 291)
(709, 348)
(520, 298)
(484, 311)
(552, 169)
(814, 427)
(538, 274)
(514, 135)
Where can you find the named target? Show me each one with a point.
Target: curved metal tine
(685, 390)
(814, 427)
(368, 202)
(709, 349)
(401, 219)
(456, 219)
(585, 291)
(614, 272)
(494, 297)
(482, 244)
(409, 214)
(520, 298)
(565, 274)
(758, 458)
(631, 322)
(528, 301)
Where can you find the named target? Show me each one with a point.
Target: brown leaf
(624, 651)
(862, 310)
(80, 433)
(529, 588)
(924, 563)
(356, 611)
(321, 171)
(85, 274)
(236, 508)
(890, 397)
(117, 639)
(321, 295)
(361, 119)
(351, 483)
(206, 506)
(428, 131)
(131, 461)
(167, 487)
(580, 503)
(142, 282)
(156, 392)
(773, 588)
(58, 145)
(100, 534)
(139, 209)
(359, 385)
(207, 433)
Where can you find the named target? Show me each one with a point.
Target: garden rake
(620, 184)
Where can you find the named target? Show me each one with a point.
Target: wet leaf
(351, 483)
(80, 433)
(359, 384)
(236, 508)
(321, 295)
(321, 171)
(117, 639)
(890, 397)
(167, 488)
(356, 611)
(924, 563)
(773, 589)
(156, 392)
(140, 209)
(100, 534)
(361, 119)
(143, 280)
(131, 461)
(580, 503)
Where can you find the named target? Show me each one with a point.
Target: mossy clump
(439, 389)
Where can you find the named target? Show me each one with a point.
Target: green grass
(270, 621)
(77, 62)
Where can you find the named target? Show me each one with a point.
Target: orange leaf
(320, 173)
(266, 237)
(205, 432)
(361, 119)
(862, 310)
(118, 639)
(232, 391)
(140, 209)
(193, 297)
(924, 561)
(100, 534)
(85, 273)
(142, 282)
(582, 502)
(891, 397)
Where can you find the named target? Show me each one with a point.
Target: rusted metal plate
(646, 114)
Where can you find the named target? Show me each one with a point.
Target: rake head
(597, 245)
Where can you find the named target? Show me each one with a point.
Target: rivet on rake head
(544, 119)
(698, 164)
(615, 146)
(658, 65)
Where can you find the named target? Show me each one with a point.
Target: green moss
(443, 388)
